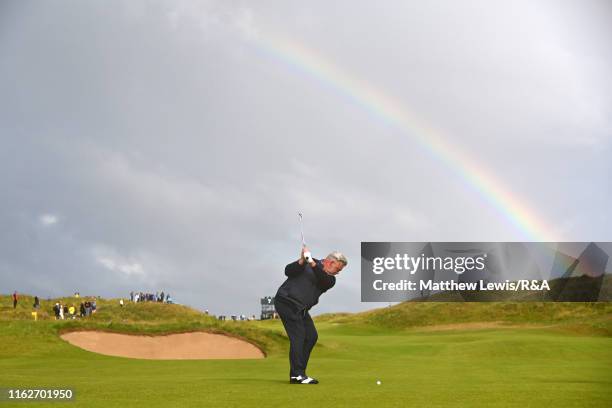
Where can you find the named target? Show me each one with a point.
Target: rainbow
(508, 205)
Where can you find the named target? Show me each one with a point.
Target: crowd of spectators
(68, 310)
(150, 297)
(236, 317)
(63, 311)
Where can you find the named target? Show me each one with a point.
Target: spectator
(15, 298)
(56, 310)
(121, 302)
(82, 309)
(72, 311)
(61, 311)
(36, 303)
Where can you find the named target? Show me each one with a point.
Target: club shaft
(302, 229)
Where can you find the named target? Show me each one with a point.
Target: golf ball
(378, 382)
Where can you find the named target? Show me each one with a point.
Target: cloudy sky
(170, 144)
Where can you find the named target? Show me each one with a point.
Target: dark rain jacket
(305, 284)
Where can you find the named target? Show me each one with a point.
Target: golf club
(307, 255)
(302, 228)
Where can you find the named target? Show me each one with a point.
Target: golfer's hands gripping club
(306, 256)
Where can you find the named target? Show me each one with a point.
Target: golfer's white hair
(337, 256)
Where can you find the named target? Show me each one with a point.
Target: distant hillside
(141, 318)
(592, 318)
(522, 308)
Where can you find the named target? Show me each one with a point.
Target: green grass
(554, 355)
(592, 318)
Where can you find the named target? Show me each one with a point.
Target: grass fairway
(565, 364)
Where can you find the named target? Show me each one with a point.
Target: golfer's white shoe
(300, 379)
(296, 380)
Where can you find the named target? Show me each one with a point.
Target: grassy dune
(535, 357)
(587, 318)
(143, 318)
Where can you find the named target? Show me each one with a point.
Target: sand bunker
(184, 346)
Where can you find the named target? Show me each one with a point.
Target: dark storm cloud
(155, 145)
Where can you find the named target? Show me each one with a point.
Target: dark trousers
(302, 335)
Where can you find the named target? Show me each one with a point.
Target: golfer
(307, 279)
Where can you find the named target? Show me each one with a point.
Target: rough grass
(594, 318)
(138, 318)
